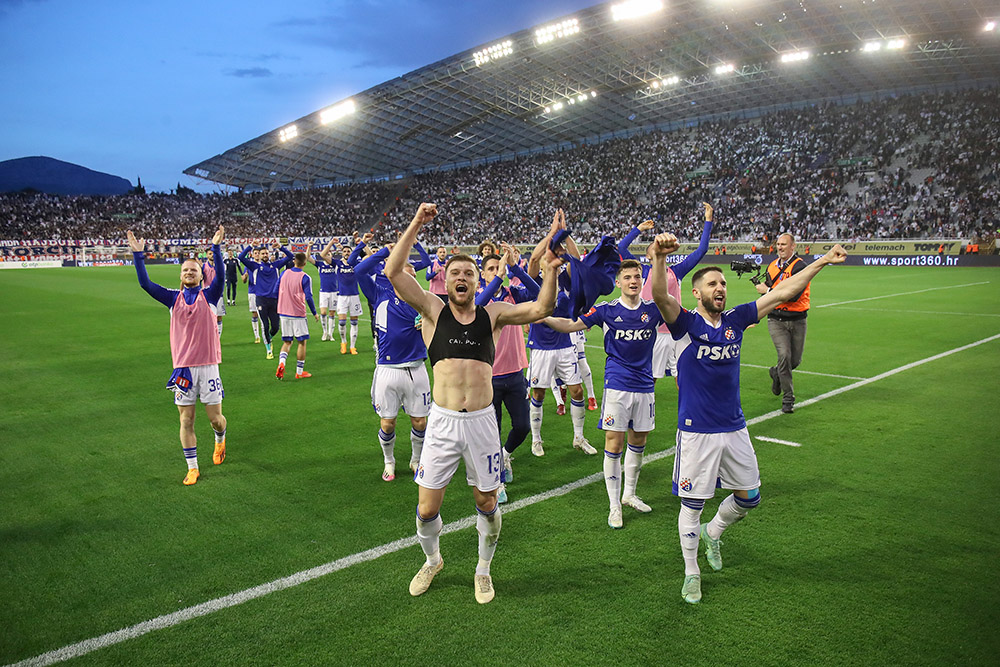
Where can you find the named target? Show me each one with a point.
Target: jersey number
(493, 463)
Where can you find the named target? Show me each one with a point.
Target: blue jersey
(347, 282)
(708, 370)
(251, 282)
(629, 335)
(399, 341)
(266, 278)
(327, 275)
(543, 337)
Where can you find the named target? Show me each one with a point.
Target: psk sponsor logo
(644, 317)
(685, 484)
(730, 334)
(609, 420)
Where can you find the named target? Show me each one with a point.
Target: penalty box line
(218, 604)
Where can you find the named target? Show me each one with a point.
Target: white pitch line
(218, 604)
(780, 442)
(920, 312)
(827, 375)
(886, 296)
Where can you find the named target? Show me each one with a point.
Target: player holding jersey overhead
(713, 445)
(628, 404)
(461, 342)
(327, 288)
(194, 348)
(400, 379)
(294, 293)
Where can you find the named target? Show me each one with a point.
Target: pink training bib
(194, 336)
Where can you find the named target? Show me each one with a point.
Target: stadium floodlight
(548, 109)
(671, 80)
(794, 56)
(655, 84)
(725, 68)
(630, 9)
(495, 52)
(593, 93)
(872, 46)
(990, 26)
(287, 133)
(582, 97)
(557, 106)
(336, 112)
(547, 33)
(895, 44)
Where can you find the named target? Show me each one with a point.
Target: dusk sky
(148, 89)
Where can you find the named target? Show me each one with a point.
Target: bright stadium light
(671, 80)
(872, 46)
(547, 33)
(287, 133)
(593, 93)
(630, 9)
(725, 69)
(794, 56)
(494, 52)
(557, 106)
(655, 84)
(990, 26)
(895, 44)
(336, 112)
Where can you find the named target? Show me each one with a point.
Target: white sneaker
(635, 502)
(580, 442)
(508, 472)
(389, 472)
(325, 337)
(536, 448)
(425, 575)
(691, 590)
(484, 588)
(615, 517)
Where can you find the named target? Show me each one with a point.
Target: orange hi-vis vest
(776, 275)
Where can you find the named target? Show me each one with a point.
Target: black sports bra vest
(454, 340)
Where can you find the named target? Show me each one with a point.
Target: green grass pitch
(877, 540)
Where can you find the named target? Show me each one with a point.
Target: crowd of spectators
(920, 166)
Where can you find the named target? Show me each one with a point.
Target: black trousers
(267, 307)
(231, 290)
(511, 391)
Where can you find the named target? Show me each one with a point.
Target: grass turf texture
(876, 541)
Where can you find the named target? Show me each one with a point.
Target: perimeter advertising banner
(876, 248)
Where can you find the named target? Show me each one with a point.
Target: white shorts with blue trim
(707, 461)
(328, 300)
(205, 385)
(546, 365)
(394, 388)
(453, 436)
(294, 327)
(624, 410)
(349, 304)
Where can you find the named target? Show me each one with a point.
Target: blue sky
(149, 88)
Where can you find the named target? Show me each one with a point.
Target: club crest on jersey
(730, 334)
(420, 472)
(685, 484)
(609, 420)
(644, 317)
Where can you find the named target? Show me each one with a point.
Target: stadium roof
(595, 74)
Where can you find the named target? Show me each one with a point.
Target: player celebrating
(713, 444)
(327, 288)
(435, 274)
(248, 278)
(294, 292)
(194, 348)
(207, 277)
(629, 404)
(266, 282)
(348, 301)
(461, 339)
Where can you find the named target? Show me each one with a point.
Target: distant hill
(56, 177)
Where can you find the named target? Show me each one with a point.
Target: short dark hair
(489, 257)
(461, 257)
(702, 271)
(300, 259)
(629, 264)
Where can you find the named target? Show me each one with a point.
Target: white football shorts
(546, 365)
(579, 339)
(205, 385)
(294, 327)
(393, 388)
(220, 307)
(349, 304)
(328, 300)
(664, 355)
(624, 410)
(706, 461)
(454, 436)
(252, 302)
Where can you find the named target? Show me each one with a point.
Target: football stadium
(768, 139)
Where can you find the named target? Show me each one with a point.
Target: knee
(187, 421)
(487, 503)
(576, 392)
(751, 500)
(418, 423)
(388, 426)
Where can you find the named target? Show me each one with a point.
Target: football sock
(343, 331)
(689, 527)
(255, 325)
(323, 323)
(219, 323)
(488, 527)
(731, 510)
(331, 324)
(282, 357)
(354, 333)
(416, 444)
(428, 534)
(387, 441)
(579, 410)
(556, 393)
(220, 436)
(300, 365)
(191, 456)
(587, 376)
(536, 419)
(613, 477)
(633, 462)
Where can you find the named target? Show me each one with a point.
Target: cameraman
(787, 322)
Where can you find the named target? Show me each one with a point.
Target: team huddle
(471, 328)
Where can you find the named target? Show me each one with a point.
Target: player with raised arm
(294, 294)
(629, 402)
(327, 287)
(248, 278)
(208, 271)
(194, 348)
(266, 277)
(461, 342)
(713, 445)
(435, 274)
(348, 301)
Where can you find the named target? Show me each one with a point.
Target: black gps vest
(454, 340)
